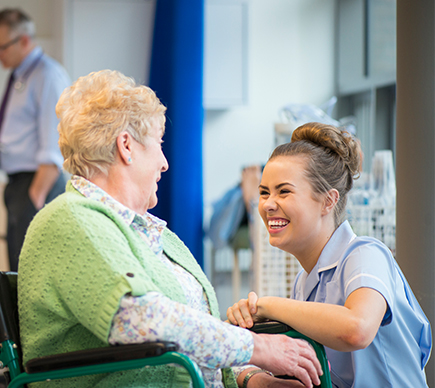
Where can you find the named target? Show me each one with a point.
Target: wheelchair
(78, 363)
(108, 359)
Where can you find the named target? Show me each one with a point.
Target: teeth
(277, 223)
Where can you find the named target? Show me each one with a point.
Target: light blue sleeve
(371, 265)
(54, 82)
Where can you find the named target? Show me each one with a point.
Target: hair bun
(333, 139)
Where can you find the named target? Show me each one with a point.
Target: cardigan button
(130, 275)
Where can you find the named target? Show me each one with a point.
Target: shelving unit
(374, 221)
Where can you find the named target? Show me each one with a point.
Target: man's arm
(43, 181)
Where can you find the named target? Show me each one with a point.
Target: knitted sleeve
(83, 267)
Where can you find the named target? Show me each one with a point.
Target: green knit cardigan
(78, 260)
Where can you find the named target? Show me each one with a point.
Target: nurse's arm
(344, 328)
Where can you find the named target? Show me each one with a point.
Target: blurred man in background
(29, 154)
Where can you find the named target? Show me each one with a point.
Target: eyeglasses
(10, 43)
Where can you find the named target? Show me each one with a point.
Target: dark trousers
(20, 210)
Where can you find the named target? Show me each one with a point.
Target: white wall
(291, 59)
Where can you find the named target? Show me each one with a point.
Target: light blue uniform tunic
(402, 346)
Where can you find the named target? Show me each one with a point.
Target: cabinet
(225, 53)
(366, 40)
(366, 71)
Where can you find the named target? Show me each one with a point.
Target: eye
(284, 191)
(263, 192)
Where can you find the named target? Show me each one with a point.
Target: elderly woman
(98, 269)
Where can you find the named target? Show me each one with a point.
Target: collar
(92, 191)
(329, 258)
(28, 61)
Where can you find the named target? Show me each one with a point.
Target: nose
(268, 204)
(165, 165)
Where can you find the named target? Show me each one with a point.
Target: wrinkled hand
(283, 355)
(244, 312)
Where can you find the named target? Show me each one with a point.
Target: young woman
(351, 295)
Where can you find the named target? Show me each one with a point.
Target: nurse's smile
(277, 224)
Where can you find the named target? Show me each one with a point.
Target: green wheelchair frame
(80, 363)
(103, 360)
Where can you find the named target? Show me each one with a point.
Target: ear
(124, 143)
(331, 199)
(25, 41)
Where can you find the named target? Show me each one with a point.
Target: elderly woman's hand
(283, 355)
(244, 312)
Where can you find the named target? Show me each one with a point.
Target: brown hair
(17, 21)
(333, 160)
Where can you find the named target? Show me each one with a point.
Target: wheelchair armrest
(270, 327)
(273, 327)
(99, 356)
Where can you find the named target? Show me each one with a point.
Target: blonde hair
(94, 111)
(333, 160)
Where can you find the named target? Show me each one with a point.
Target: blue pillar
(176, 77)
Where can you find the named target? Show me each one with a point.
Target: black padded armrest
(270, 327)
(99, 356)
(9, 309)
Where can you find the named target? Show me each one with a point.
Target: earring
(129, 159)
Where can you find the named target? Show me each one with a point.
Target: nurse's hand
(244, 312)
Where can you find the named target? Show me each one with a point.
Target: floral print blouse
(213, 344)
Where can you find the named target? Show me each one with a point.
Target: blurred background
(266, 68)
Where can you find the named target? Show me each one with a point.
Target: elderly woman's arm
(210, 342)
(155, 317)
